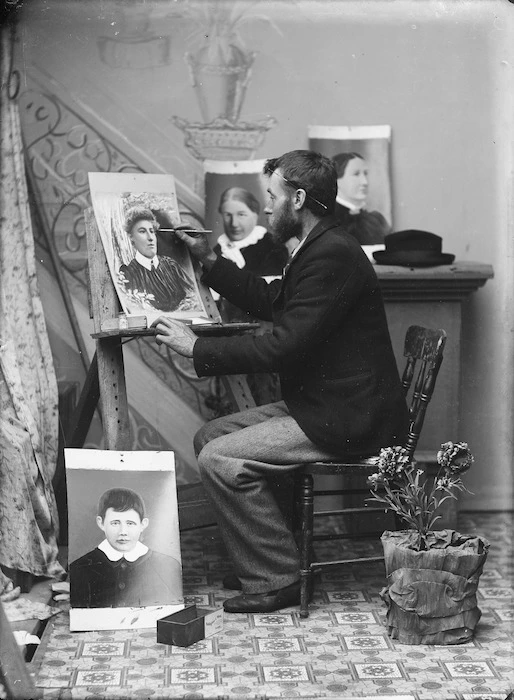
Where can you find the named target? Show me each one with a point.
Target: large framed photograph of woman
(362, 158)
(235, 197)
(151, 268)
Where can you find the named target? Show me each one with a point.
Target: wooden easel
(105, 382)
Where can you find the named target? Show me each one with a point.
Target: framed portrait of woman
(151, 269)
(235, 198)
(219, 176)
(362, 158)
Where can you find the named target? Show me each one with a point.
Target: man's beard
(286, 225)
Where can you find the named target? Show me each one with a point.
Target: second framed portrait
(362, 158)
(235, 197)
(125, 566)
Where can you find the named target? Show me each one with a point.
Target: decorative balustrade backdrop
(61, 147)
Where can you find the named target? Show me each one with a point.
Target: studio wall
(440, 73)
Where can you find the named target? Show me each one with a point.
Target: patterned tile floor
(341, 651)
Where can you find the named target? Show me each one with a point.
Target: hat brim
(413, 258)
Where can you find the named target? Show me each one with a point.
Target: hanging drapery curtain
(28, 386)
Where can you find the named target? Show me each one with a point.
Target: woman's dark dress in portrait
(368, 227)
(167, 282)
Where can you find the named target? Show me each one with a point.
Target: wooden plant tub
(431, 595)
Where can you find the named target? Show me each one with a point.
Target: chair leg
(306, 514)
(296, 521)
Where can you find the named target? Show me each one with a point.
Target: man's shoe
(232, 583)
(264, 602)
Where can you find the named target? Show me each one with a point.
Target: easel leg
(238, 391)
(105, 382)
(113, 394)
(86, 406)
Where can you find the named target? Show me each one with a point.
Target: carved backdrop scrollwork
(61, 147)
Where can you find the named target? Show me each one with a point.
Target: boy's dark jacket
(330, 343)
(97, 582)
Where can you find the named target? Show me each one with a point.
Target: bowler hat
(413, 248)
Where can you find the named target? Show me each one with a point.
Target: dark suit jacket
(368, 227)
(330, 343)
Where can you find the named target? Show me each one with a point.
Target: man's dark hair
(121, 500)
(309, 171)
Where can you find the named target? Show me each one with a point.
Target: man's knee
(208, 461)
(203, 462)
(216, 466)
(210, 431)
(200, 439)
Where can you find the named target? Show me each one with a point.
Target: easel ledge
(216, 329)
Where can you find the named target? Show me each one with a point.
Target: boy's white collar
(113, 554)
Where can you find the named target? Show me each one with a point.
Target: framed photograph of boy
(362, 158)
(151, 268)
(125, 568)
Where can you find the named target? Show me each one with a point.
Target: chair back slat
(418, 386)
(423, 347)
(408, 374)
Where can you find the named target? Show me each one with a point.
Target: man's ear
(100, 523)
(299, 199)
(144, 523)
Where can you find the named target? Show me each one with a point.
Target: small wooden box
(189, 625)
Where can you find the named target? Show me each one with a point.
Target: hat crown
(413, 248)
(413, 239)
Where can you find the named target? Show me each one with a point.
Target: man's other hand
(198, 245)
(175, 334)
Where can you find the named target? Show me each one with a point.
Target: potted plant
(432, 574)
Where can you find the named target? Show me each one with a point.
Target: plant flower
(455, 457)
(400, 485)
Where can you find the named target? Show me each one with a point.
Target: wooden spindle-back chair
(423, 350)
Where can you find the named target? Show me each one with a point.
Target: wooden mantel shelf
(443, 283)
